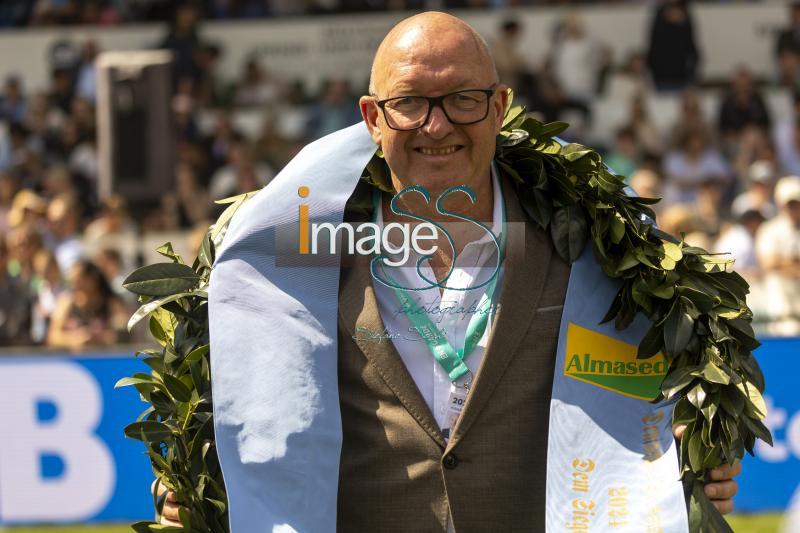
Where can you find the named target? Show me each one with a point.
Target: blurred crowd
(113, 12)
(728, 177)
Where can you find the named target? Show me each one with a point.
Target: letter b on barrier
(52, 465)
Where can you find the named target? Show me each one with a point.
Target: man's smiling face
(433, 55)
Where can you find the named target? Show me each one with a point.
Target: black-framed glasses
(406, 113)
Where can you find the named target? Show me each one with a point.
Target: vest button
(450, 461)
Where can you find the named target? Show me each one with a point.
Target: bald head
(431, 39)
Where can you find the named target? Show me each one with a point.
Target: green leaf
(152, 305)
(219, 227)
(206, 253)
(197, 353)
(148, 431)
(167, 251)
(569, 230)
(678, 330)
(177, 389)
(732, 401)
(714, 374)
(161, 279)
(758, 429)
(697, 396)
(552, 129)
(513, 114)
(684, 412)
(754, 402)
(678, 379)
(673, 251)
(695, 452)
(536, 205)
(617, 228)
(138, 378)
(651, 343)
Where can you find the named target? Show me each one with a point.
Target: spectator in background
(183, 40)
(694, 163)
(88, 314)
(14, 304)
(778, 252)
(647, 183)
(61, 90)
(787, 50)
(753, 144)
(778, 240)
(632, 79)
(505, 50)
(274, 148)
(63, 218)
(647, 135)
(57, 180)
(550, 103)
(86, 80)
(9, 186)
(575, 60)
(208, 91)
(224, 136)
(758, 194)
(240, 172)
(23, 241)
(15, 150)
(12, 101)
(709, 210)
(336, 109)
(256, 88)
(47, 286)
(738, 240)
(27, 208)
(112, 264)
(742, 106)
(194, 205)
(112, 220)
(691, 119)
(624, 157)
(787, 140)
(673, 56)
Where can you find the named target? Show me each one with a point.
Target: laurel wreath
(695, 302)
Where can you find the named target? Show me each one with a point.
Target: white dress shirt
(474, 265)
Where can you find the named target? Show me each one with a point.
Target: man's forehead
(434, 50)
(432, 73)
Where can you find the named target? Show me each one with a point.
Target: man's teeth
(438, 151)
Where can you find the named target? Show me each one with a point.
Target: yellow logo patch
(611, 364)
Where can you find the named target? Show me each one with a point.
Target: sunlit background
(122, 120)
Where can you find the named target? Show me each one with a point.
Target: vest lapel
(358, 309)
(528, 252)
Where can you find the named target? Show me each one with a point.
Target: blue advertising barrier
(64, 457)
(771, 478)
(63, 454)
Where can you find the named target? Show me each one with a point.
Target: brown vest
(397, 473)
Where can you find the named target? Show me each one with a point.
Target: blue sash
(273, 328)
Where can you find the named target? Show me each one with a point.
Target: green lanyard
(449, 358)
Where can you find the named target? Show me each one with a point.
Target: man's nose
(438, 125)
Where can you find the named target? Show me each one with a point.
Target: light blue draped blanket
(273, 327)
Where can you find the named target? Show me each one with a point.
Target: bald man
(405, 465)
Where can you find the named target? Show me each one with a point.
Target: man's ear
(499, 106)
(369, 111)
